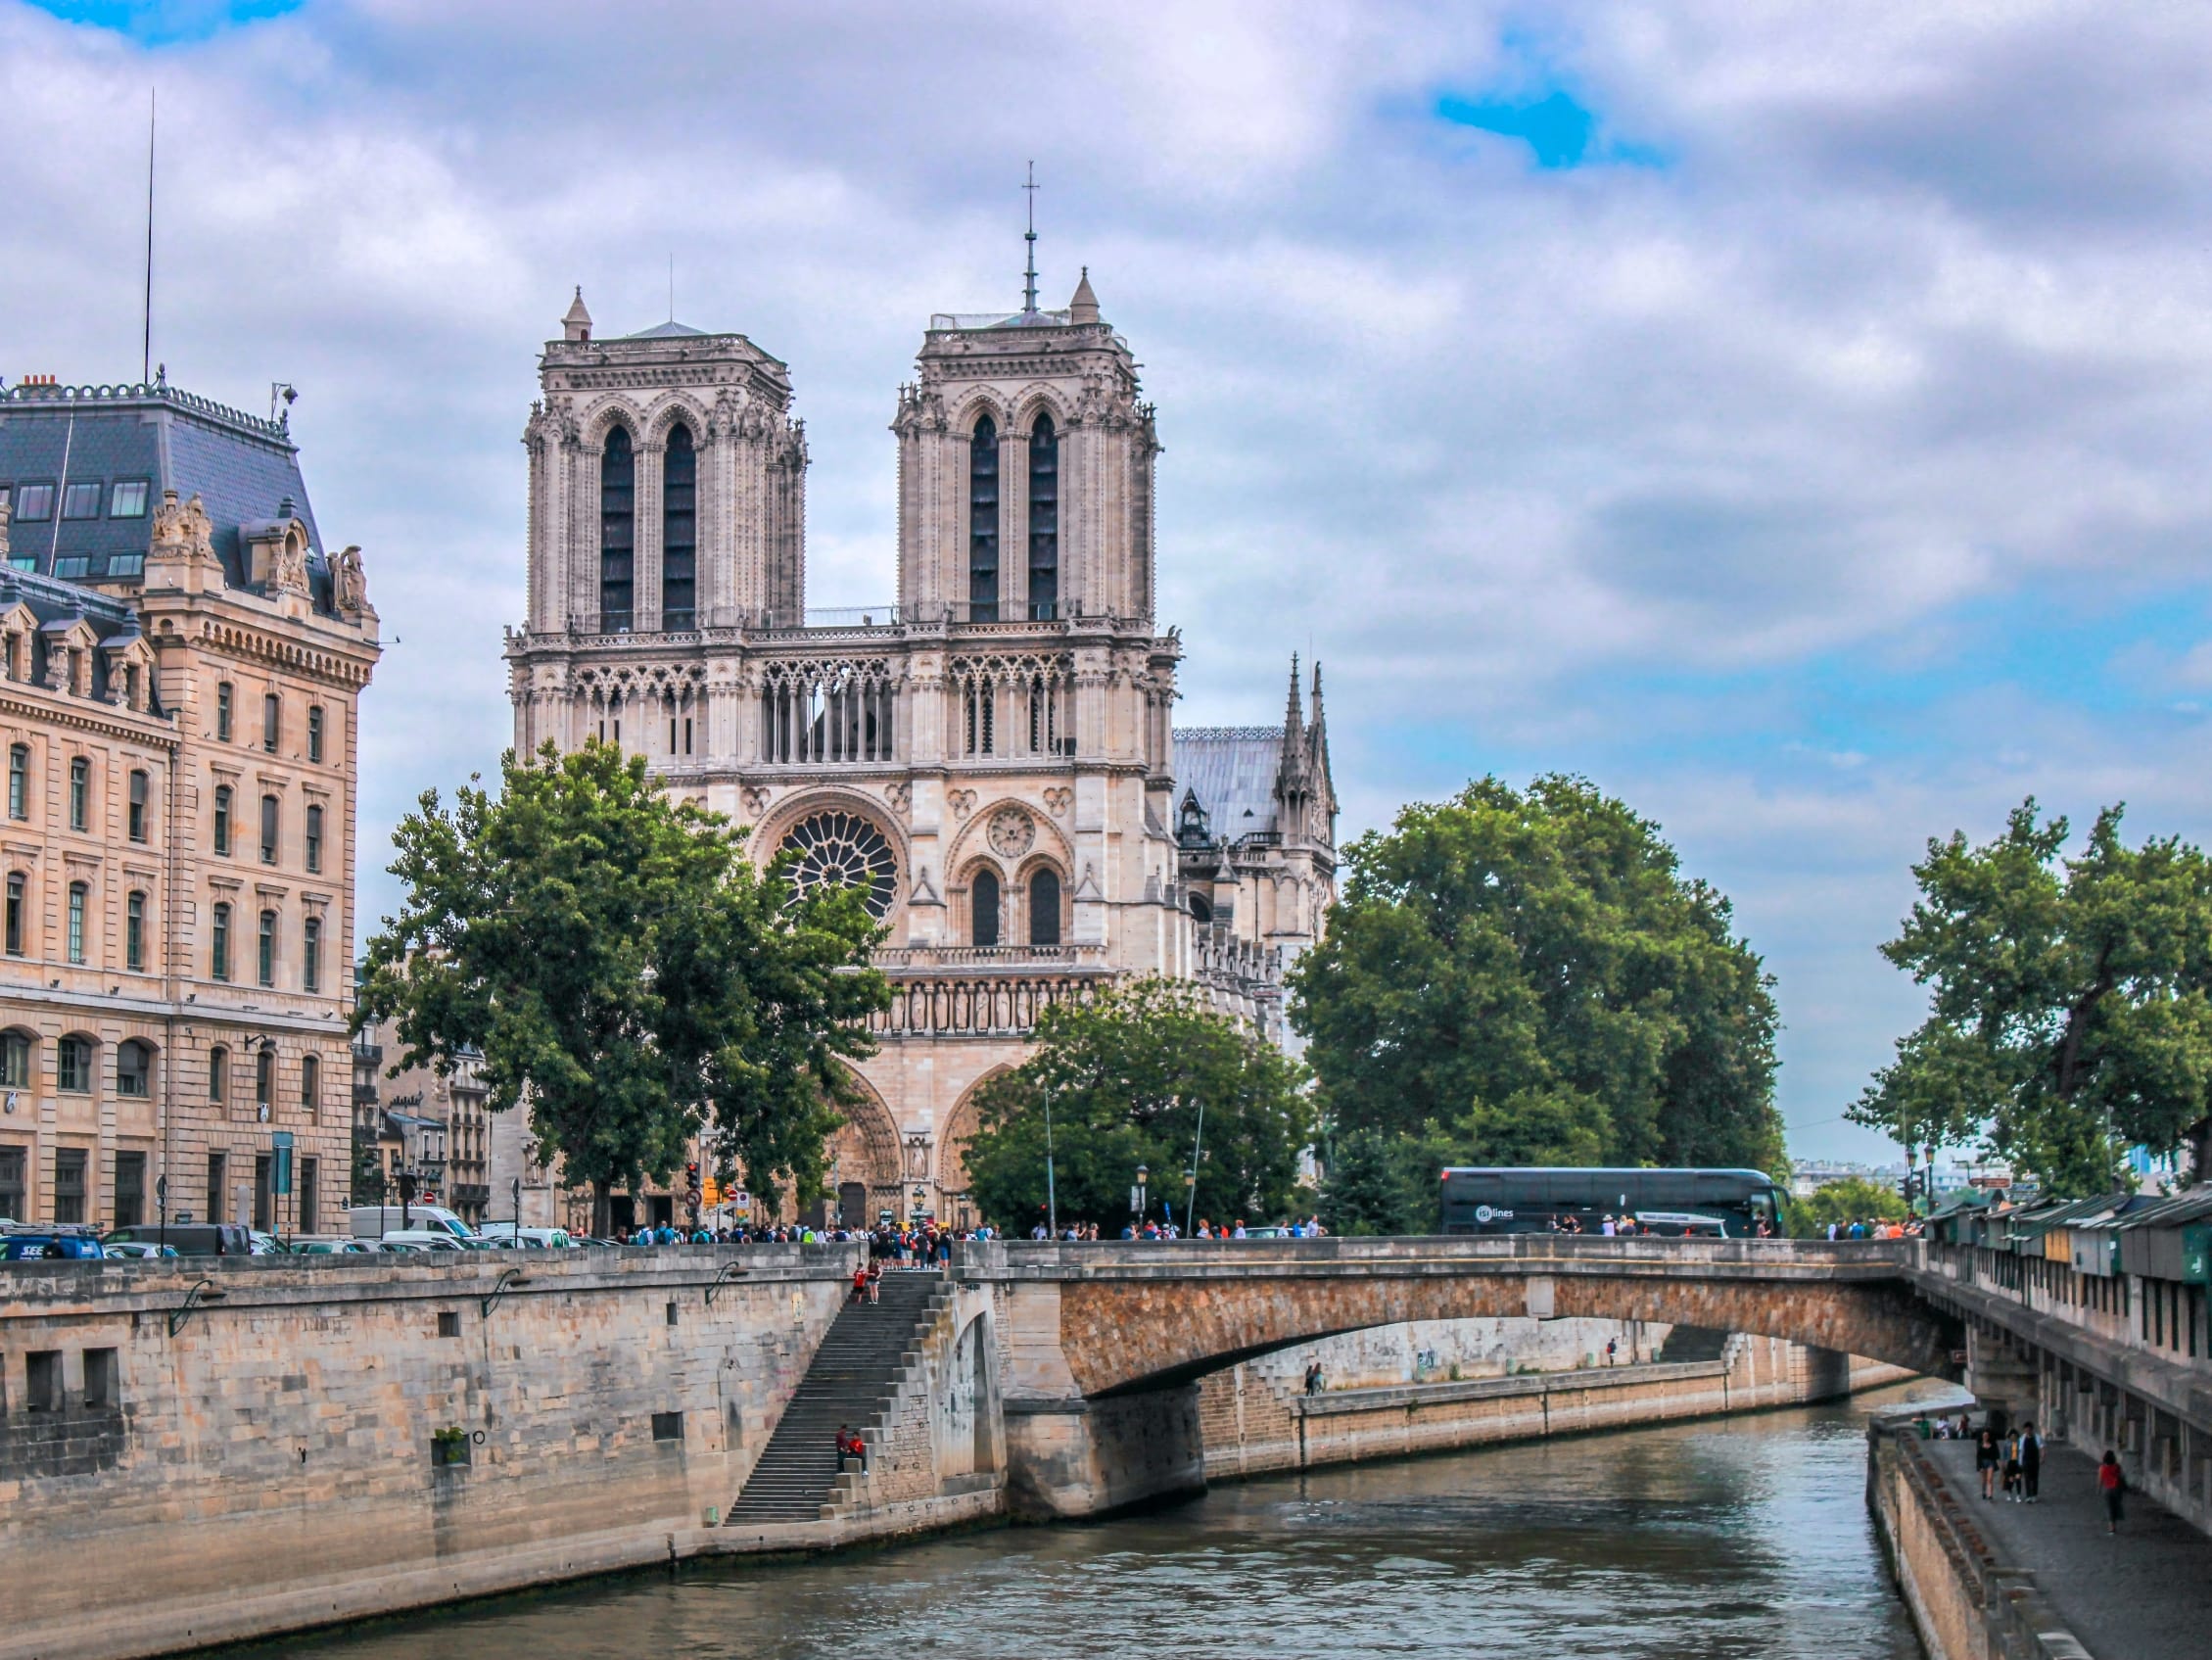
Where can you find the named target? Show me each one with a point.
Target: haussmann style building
(181, 663)
(992, 756)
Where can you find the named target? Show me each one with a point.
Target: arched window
(72, 1066)
(1044, 520)
(138, 795)
(222, 819)
(618, 491)
(134, 932)
(680, 529)
(310, 954)
(264, 956)
(1201, 907)
(1044, 908)
(81, 793)
(77, 893)
(983, 891)
(218, 945)
(134, 1069)
(983, 522)
(218, 1076)
(18, 780)
(16, 1051)
(310, 1084)
(314, 839)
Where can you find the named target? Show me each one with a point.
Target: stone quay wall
(200, 1451)
(1255, 1419)
(1966, 1602)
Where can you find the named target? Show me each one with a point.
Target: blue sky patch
(164, 22)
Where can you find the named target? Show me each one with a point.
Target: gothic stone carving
(1011, 833)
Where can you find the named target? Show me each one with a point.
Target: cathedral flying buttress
(991, 757)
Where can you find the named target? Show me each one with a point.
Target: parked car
(374, 1221)
(189, 1239)
(332, 1246)
(506, 1236)
(422, 1239)
(132, 1248)
(62, 1242)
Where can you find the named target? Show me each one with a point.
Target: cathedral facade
(993, 758)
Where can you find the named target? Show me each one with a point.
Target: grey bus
(1712, 1203)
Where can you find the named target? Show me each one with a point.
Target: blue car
(52, 1243)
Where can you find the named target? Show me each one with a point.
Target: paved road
(2138, 1596)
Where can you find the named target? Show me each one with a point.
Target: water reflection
(1722, 1539)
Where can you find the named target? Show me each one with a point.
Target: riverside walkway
(2140, 1595)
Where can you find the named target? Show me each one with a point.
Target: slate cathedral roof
(107, 442)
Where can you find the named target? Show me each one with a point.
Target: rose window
(845, 850)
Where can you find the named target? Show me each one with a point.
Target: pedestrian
(1313, 1378)
(2013, 1468)
(874, 1281)
(860, 1285)
(2031, 1460)
(1612, 1349)
(2111, 1483)
(1985, 1461)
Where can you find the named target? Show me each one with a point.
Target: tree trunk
(602, 1209)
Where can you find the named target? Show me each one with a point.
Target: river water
(1730, 1538)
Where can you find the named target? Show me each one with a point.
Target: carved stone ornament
(961, 801)
(183, 531)
(1011, 833)
(754, 801)
(901, 799)
(1058, 800)
(349, 582)
(291, 573)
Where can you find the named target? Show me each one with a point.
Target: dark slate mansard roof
(244, 470)
(56, 604)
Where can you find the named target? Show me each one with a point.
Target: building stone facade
(179, 691)
(992, 756)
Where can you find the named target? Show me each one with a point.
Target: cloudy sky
(1792, 416)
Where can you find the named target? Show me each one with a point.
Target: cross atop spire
(1029, 274)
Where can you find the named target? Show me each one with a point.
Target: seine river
(1744, 1537)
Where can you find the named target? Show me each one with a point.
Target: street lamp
(1052, 1194)
(1143, 1177)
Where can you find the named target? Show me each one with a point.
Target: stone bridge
(1099, 1346)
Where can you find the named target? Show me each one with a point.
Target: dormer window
(128, 499)
(81, 500)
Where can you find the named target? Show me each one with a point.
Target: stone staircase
(851, 1380)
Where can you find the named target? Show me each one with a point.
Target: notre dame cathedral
(994, 756)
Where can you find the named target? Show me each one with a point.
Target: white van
(374, 1221)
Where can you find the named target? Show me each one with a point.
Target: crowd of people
(2008, 1463)
(1875, 1227)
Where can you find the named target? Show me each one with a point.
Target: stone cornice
(337, 663)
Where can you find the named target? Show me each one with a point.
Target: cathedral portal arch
(861, 1160)
(953, 1142)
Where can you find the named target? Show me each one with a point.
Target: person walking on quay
(1985, 1461)
(1313, 1379)
(2012, 1467)
(2111, 1483)
(2031, 1462)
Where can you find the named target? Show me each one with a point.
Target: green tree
(1381, 1184)
(624, 969)
(1127, 1075)
(2069, 1015)
(1855, 1199)
(367, 1184)
(1529, 975)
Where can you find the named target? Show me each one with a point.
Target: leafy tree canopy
(1529, 975)
(1127, 1075)
(2068, 1011)
(1855, 1199)
(620, 965)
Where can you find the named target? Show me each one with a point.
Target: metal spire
(1029, 276)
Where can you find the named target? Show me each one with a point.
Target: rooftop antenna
(146, 342)
(1029, 276)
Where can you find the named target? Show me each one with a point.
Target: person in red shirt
(2111, 1483)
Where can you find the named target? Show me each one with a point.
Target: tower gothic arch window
(983, 522)
(983, 895)
(845, 850)
(618, 492)
(1044, 908)
(1044, 520)
(679, 532)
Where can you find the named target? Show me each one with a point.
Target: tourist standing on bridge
(1985, 1461)
(2111, 1483)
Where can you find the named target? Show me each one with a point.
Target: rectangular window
(76, 922)
(314, 732)
(272, 718)
(311, 955)
(134, 1069)
(128, 499)
(224, 700)
(265, 951)
(18, 780)
(309, 1170)
(72, 1066)
(140, 786)
(42, 1372)
(668, 1426)
(222, 819)
(81, 500)
(100, 1381)
(265, 1077)
(310, 1084)
(15, 914)
(81, 793)
(11, 1194)
(218, 1074)
(269, 830)
(73, 567)
(314, 839)
(134, 933)
(448, 1323)
(126, 564)
(130, 1190)
(34, 502)
(218, 945)
(68, 1184)
(15, 1073)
